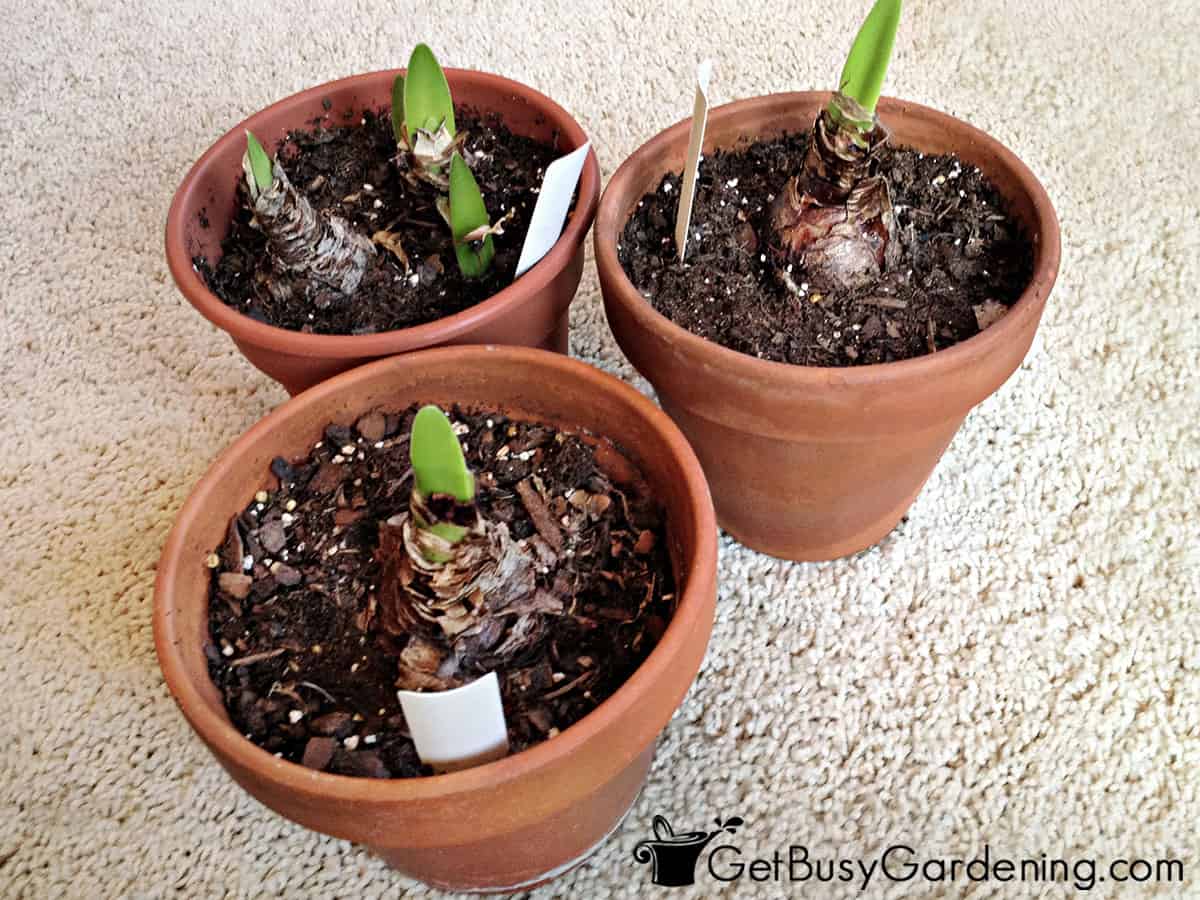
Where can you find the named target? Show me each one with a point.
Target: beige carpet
(1017, 666)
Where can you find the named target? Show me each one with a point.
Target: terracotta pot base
(284, 368)
(558, 341)
(816, 551)
(792, 526)
(522, 870)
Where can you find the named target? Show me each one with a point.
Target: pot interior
(210, 198)
(625, 439)
(744, 122)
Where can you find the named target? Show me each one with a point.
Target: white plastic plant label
(459, 728)
(691, 168)
(550, 211)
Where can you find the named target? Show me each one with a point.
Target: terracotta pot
(532, 311)
(813, 463)
(531, 816)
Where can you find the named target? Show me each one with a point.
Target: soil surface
(960, 249)
(297, 653)
(347, 170)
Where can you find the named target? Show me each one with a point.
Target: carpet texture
(1018, 665)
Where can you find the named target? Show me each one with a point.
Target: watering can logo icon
(675, 855)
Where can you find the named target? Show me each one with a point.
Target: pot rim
(243, 327)
(698, 579)
(619, 195)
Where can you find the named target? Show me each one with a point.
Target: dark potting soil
(297, 651)
(960, 249)
(346, 170)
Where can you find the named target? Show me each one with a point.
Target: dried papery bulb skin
(304, 243)
(473, 600)
(834, 218)
(425, 155)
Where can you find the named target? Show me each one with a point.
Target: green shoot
(469, 223)
(260, 163)
(427, 105)
(867, 64)
(438, 467)
(398, 110)
(437, 457)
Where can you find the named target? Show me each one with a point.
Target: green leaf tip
(867, 64)
(437, 457)
(398, 109)
(469, 214)
(260, 163)
(426, 95)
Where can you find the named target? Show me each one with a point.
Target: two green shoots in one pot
(430, 147)
(326, 249)
(835, 216)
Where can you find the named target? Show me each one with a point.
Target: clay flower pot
(533, 815)
(813, 463)
(532, 311)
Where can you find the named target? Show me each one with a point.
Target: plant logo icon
(675, 855)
